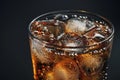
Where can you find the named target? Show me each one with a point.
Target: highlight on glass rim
(70, 45)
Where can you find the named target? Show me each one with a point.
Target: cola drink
(75, 45)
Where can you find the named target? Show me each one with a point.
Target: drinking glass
(70, 45)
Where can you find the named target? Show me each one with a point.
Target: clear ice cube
(94, 35)
(66, 69)
(98, 32)
(50, 76)
(76, 25)
(48, 29)
(90, 24)
(98, 37)
(72, 40)
(43, 54)
(89, 64)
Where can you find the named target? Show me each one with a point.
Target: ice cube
(66, 69)
(98, 37)
(97, 33)
(90, 32)
(50, 76)
(43, 54)
(59, 29)
(89, 64)
(76, 25)
(47, 29)
(90, 24)
(72, 40)
(94, 36)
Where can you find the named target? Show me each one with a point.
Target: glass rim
(70, 11)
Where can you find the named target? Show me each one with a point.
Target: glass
(70, 45)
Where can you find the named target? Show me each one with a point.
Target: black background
(15, 16)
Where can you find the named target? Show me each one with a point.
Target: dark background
(15, 16)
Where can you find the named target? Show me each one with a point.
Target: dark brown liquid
(87, 66)
(87, 63)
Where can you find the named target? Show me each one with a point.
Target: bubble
(61, 17)
(74, 16)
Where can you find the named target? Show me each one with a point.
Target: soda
(70, 48)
